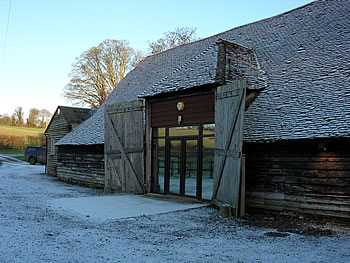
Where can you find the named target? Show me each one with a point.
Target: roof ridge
(71, 107)
(237, 27)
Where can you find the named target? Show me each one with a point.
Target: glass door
(175, 165)
(183, 160)
(191, 167)
(183, 167)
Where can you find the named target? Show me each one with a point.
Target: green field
(20, 137)
(20, 131)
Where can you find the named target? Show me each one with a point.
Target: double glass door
(183, 160)
(182, 171)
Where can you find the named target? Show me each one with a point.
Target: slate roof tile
(304, 54)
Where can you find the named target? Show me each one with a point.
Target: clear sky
(44, 36)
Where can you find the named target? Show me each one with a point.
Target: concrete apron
(111, 207)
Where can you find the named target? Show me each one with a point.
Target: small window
(184, 131)
(52, 146)
(208, 129)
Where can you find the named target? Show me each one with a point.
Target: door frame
(164, 135)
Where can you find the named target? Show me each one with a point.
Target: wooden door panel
(229, 113)
(124, 136)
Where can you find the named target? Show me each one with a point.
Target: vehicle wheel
(32, 160)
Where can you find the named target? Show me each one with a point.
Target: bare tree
(18, 114)
(44, 118)
(13, 120)
(33, 118)
(179, 36)
(5, 119)
(98, 71)
(138, 58)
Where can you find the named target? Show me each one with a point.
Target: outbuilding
(63, 121)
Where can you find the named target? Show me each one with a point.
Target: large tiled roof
(305, 55)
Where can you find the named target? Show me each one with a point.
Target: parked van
(34, 154)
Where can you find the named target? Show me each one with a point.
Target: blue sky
(44, 36)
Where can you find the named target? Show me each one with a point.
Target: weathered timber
(56, 131)
(229, 109)
(63, 121)
(124, 142)
(305, 176)
(81, 165)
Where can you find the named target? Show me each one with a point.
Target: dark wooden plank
(242, 189)
(199, 108)
(301, 173)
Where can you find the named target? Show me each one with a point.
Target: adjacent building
(63, 121)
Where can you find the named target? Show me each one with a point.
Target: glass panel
(161, 132)
(208, 129)
(160, 165)
(184, 131)
(191, 167)
(175, 167)
(208, 167)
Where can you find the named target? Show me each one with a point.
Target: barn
(257, 115)
(63, 121)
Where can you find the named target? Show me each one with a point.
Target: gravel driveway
(30, 231)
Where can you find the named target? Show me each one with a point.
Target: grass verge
(17, 154)
(11, 151)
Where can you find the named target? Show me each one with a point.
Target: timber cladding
(308, 176)
(82, 165)
(56, 131)
(62, 122)
(197, 109)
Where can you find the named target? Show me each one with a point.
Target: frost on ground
(31, 231)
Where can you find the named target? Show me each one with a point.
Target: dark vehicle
(34, 154)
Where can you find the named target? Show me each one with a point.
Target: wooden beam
(242, 190)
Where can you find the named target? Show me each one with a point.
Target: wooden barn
(64, 120)
(257, 116)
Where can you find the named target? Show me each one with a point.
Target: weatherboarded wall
(81, 165)
(57, 130)
(305, 176)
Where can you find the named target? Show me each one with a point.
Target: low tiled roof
(74, 116)
(304, 54)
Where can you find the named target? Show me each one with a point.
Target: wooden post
(148, 165)
(242, 197)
